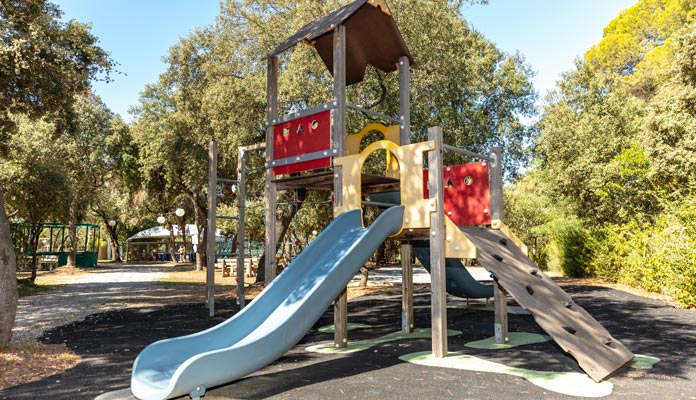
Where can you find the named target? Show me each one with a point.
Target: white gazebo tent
(140, 246)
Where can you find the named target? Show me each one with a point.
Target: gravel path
(93, 291)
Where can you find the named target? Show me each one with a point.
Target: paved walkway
(92, 291)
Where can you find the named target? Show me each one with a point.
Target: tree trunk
(72, 233)
(172, 242)
(200, 216)
(35, 231)
(8, 278)
(283, 221)
(115, 247)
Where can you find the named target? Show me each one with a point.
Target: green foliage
(45, 62)
(659, 258)
(618, 146)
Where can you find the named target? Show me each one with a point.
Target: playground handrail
(374, 113)
(467, 152)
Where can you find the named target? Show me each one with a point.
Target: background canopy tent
(140, 246)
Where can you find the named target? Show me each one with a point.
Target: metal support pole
(210, 230)
(437, 245)
(270, 198)
(241, 205)
(339, 142)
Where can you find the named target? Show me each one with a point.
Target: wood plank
(406, 288)
(500, 325)
(270, 198)
(574, 329)
(437, 247)
(211, 228)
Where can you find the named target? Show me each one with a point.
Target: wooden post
(339, 142)
(500, 326)
(496, 184)
(241, 205)
(210, 229)
(270, 189)
(405, 100)
(437, 245)
(406, 249)
(406, 288)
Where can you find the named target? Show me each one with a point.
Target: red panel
(302, 136)
(467, 193)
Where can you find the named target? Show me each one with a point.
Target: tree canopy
(615, 156)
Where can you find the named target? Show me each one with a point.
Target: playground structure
(448, 213)
(52, 250)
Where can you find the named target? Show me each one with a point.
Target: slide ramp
(573, 328)
(459, 281)
(272, 323)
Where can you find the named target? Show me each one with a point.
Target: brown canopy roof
(371, 38)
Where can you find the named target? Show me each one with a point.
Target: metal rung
(227, 180)
(467, 152)
(303, 113)
(302, 157)
(225, 217)
(375, 113)
(378, 204)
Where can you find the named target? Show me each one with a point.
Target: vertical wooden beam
(339, 142)
(241, 207)
(270, 189)
(405, 100)
(496, 184)
(341, 319)
(406, 288)
(210, 229)
(500, 326)
(406, 249)
(437, 245)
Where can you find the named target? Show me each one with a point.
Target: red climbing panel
(467, 193)
(302, 136)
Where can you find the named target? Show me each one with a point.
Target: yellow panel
(391, 133)
(410, 160)
(457, 245)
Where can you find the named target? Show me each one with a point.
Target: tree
(45, 61)
(35, 179)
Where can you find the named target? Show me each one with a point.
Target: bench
(49, 261)
(230, 264)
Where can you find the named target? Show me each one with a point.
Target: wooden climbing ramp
(573, 328)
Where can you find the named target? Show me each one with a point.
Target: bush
(659, 258)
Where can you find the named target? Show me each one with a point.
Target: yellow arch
(417, 209)
(391, 133)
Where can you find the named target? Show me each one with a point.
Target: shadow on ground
(110, 341)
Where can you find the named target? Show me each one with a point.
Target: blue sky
(138, 33)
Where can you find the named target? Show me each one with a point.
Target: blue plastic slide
(459, 281)
(272, 323)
